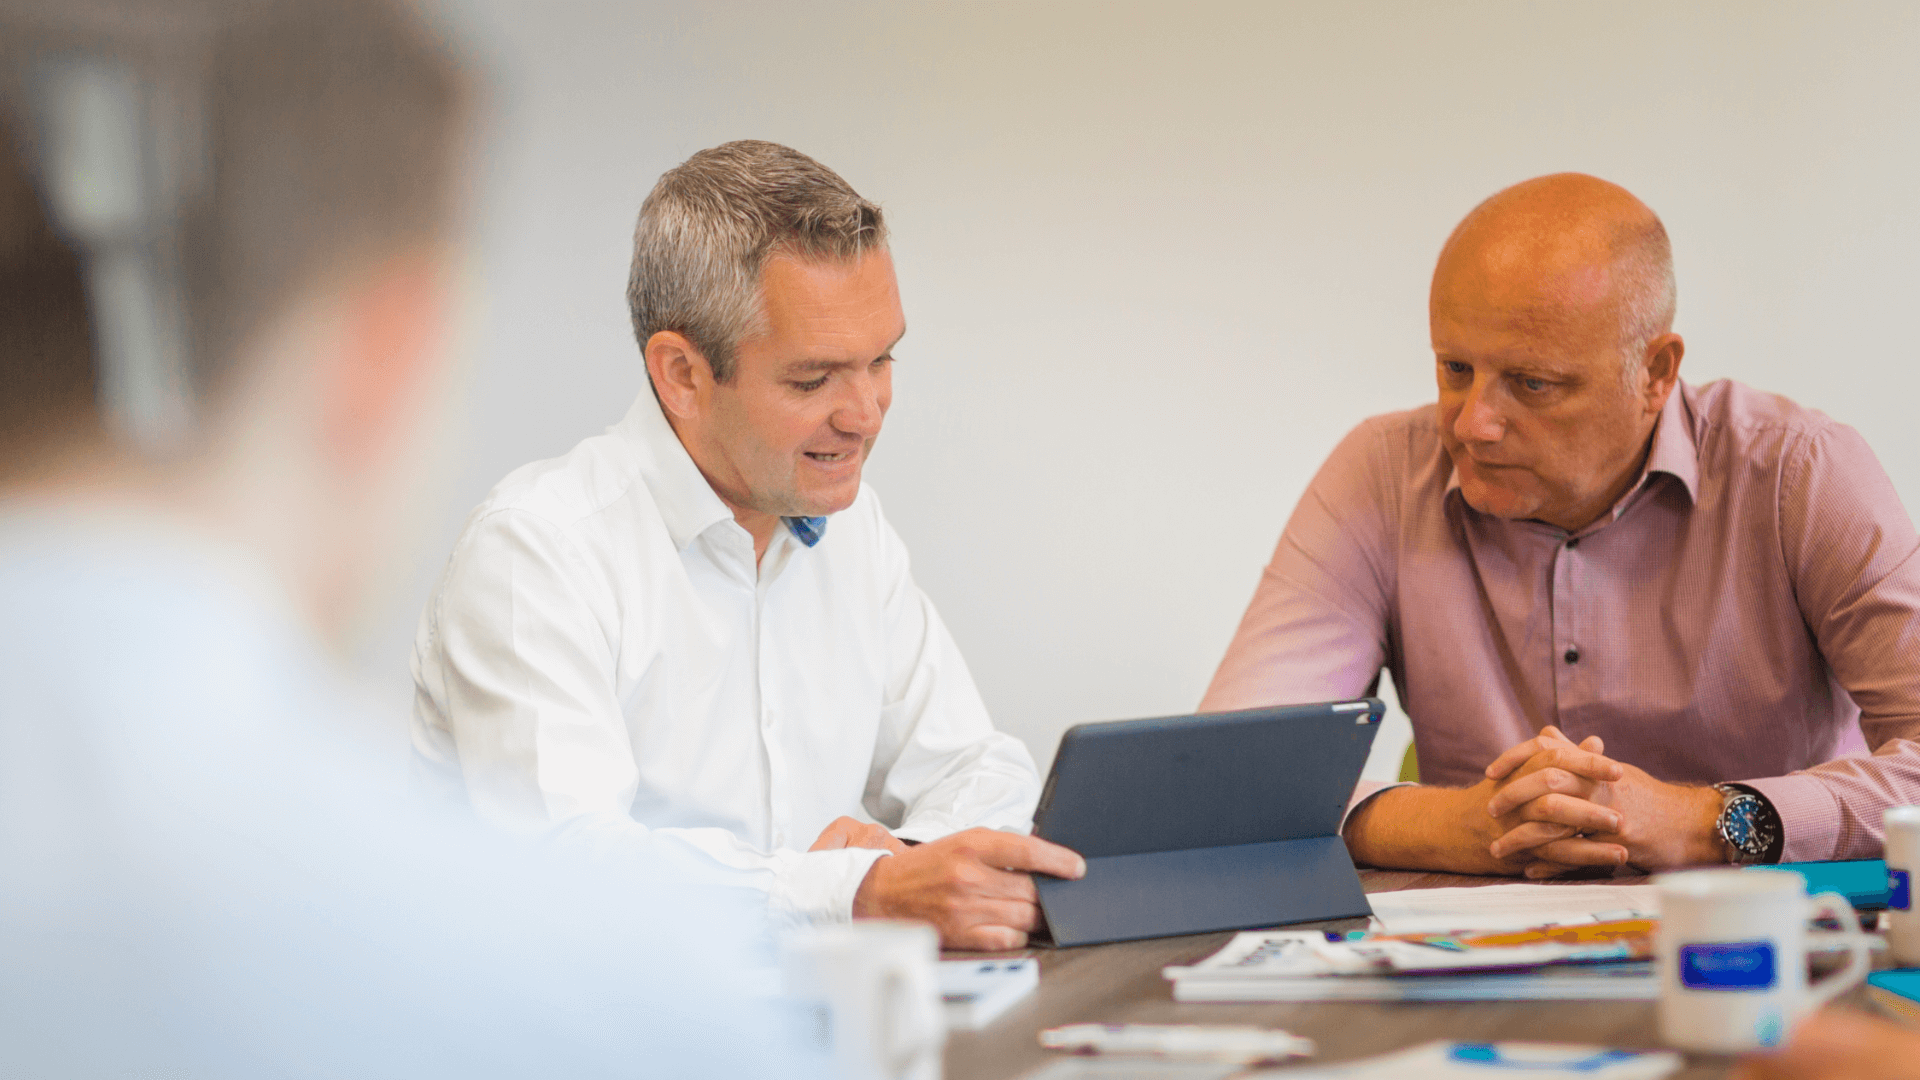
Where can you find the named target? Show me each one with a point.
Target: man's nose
(1479, 421)
(860, 412)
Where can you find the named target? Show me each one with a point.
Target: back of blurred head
(224, 238)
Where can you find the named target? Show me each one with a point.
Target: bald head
(1551, 312)
(1562, 252)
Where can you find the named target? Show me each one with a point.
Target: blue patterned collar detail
(808, 530)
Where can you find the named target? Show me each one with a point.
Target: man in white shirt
(225, 233)
(659, 635)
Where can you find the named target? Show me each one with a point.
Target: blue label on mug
(1899, 889)
(1732, 965)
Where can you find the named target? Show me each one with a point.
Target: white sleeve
(940, 767)
(518, 657)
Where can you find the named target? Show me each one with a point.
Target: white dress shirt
(603, 661)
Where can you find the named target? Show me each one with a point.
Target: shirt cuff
(925, 830)
(1363, 792)
(1809, 816)
(817, 887)
(927, 827)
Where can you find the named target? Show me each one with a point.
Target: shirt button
(1572, 656)
(779, 839)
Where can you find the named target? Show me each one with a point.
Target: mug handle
(1859, 962)
(908, 1027)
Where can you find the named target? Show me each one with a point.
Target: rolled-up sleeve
(1316, 629)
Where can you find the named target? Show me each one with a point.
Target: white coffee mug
(1732, 952)
(868, 996)
(1903, 873)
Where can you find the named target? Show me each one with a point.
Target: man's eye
(810, 385)
(1455, 367)
(1535, 386)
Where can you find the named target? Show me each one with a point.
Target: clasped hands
(1547, 807)
(1558, 807)
(975, 887)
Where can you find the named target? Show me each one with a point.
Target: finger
(1584, 816)
(1014, 852)
(1541, 868)
(1522, 839)
(1007, 885)
(1516, 756)
(1594, 744)
(1539, 785)
(1014, 915)
(1579, 762)
(986, 938)
(832, 840)
(873, 836)
(1513, 758)
(1580, 851)
(838, 834)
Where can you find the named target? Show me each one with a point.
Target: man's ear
(1660, 367)
(680, 374)
(392, 323)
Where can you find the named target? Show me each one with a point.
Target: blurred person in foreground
(699, 629)
(1634, 621)
(226, 233)
(1839, 1044)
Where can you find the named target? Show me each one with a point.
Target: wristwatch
(1749, 825)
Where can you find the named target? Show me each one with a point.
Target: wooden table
(1122, 983)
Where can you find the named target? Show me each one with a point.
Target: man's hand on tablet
(974, 887)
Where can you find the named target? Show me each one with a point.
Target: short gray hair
(709, 226)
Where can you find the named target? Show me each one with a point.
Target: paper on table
(1511, 1061)
(1134, 1068)
(1508, 907)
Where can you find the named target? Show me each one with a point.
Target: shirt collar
(687, 502)
(1673, 452)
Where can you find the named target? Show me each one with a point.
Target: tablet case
(1221, 821)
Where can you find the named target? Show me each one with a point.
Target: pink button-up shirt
(1747, 612)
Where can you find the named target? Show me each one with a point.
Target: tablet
(1220, 821)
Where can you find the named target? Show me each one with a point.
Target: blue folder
(1221, 821)
(1862, 881)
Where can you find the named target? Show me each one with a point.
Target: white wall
(1157, 259)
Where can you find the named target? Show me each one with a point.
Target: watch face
(1740, 826)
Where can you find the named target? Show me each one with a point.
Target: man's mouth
(830, 459)
(1481, 463)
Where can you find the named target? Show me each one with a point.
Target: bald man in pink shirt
(1635, 622)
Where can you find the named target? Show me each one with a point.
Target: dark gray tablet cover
(1221, 821)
